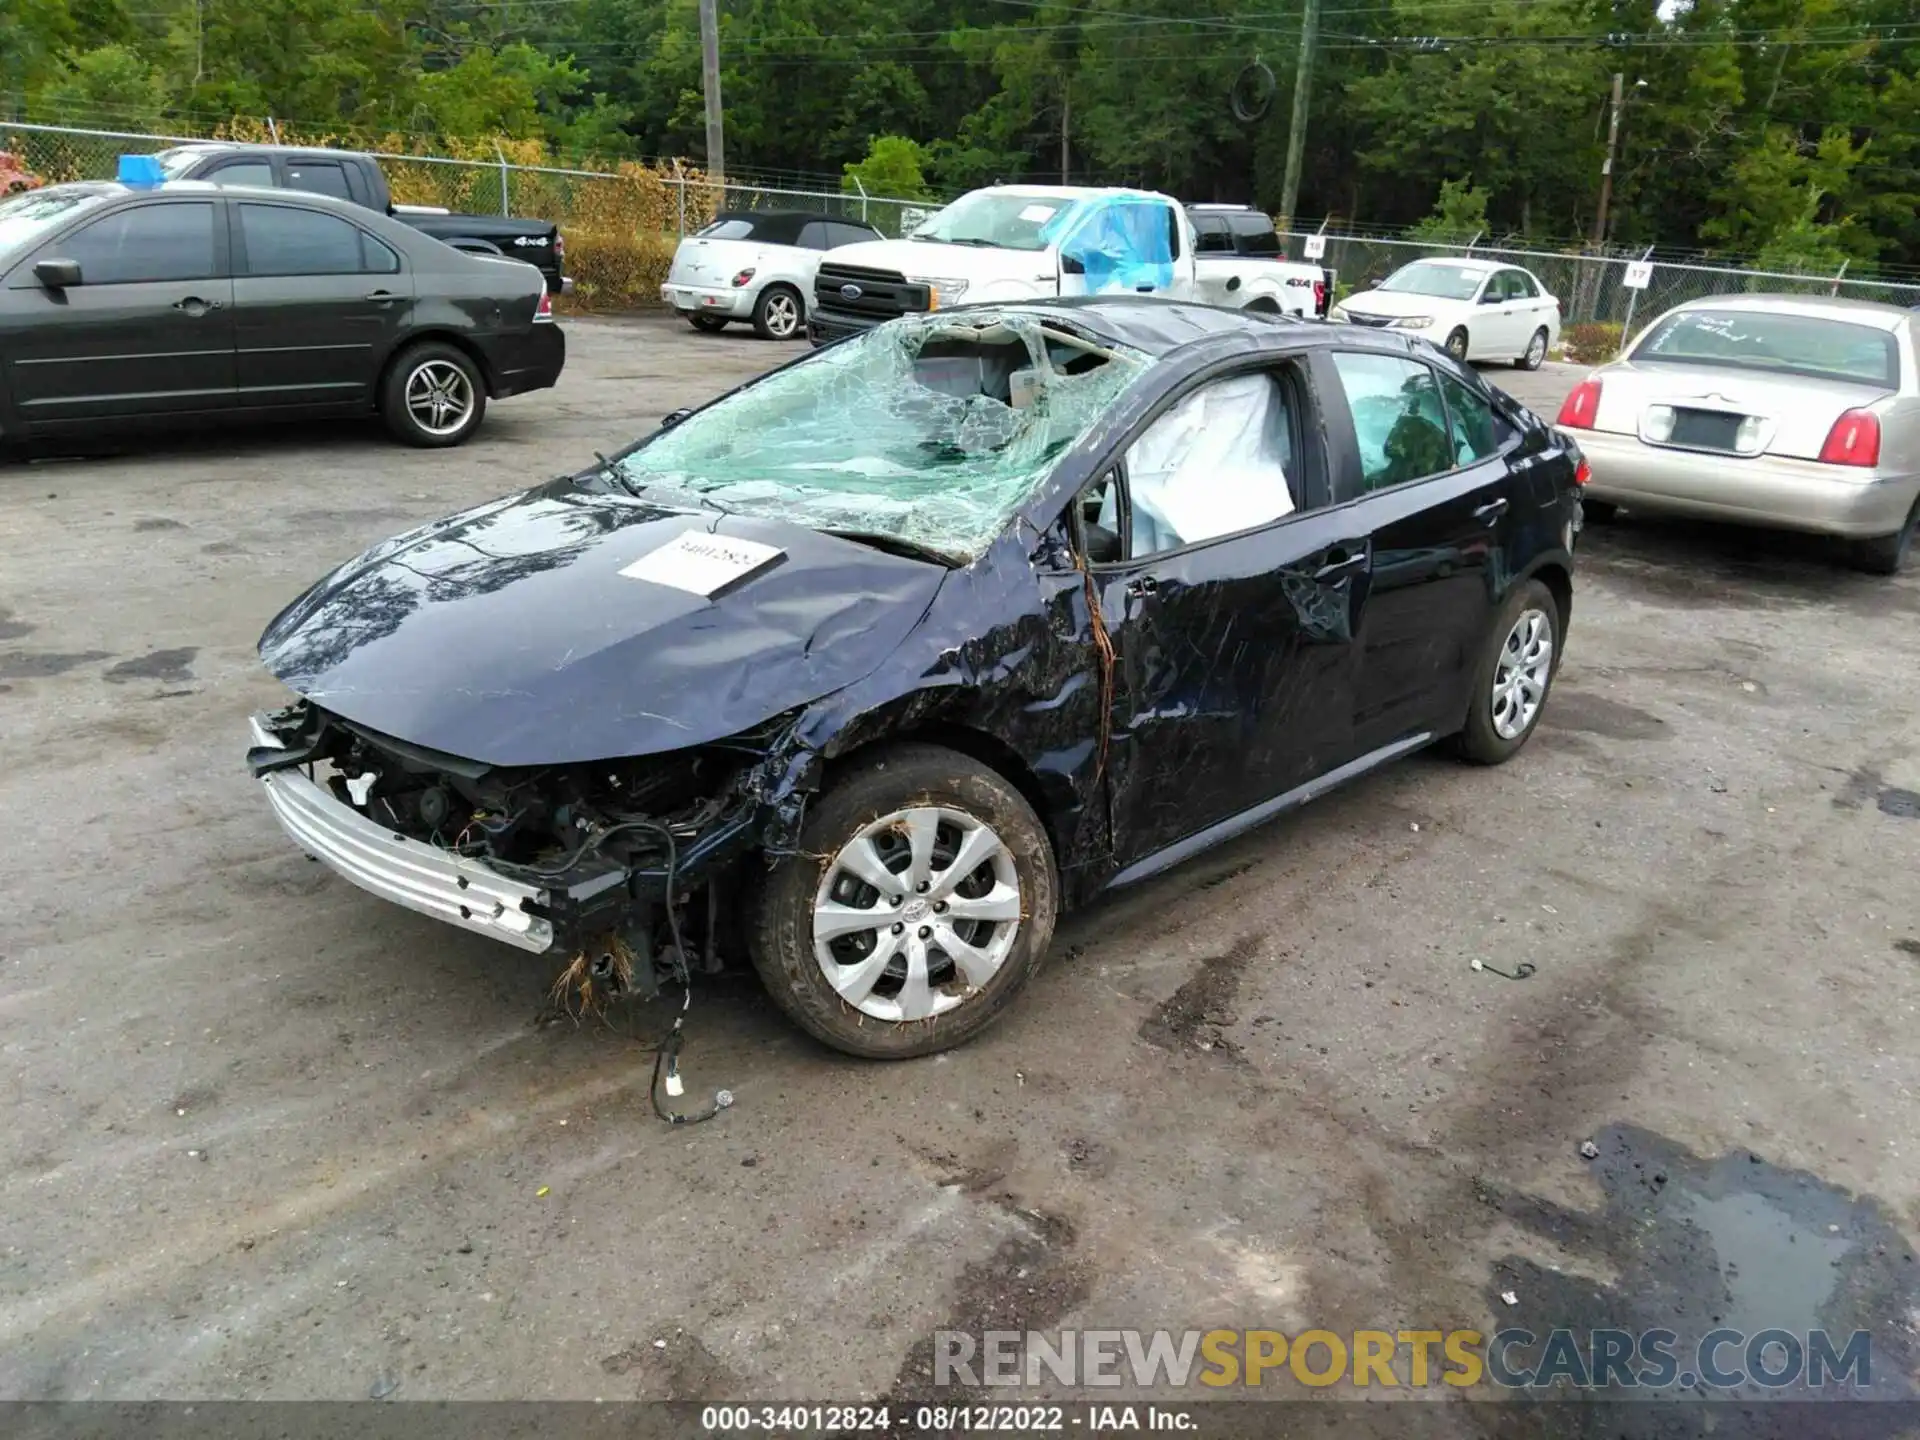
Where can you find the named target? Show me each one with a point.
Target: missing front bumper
(422, 877)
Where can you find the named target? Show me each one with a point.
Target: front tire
(1517, 665)
(1536, 353)
(433, 396)
(1457, 345)
(919, 901)
(1887, 554)
(778, 313)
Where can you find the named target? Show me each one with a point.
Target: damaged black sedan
(872, 667)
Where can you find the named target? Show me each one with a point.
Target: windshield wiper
(965, 240)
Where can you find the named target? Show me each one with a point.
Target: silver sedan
(1778, 410)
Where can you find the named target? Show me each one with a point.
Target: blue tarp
(1124, 241)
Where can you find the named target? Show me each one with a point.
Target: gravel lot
(270, 1137)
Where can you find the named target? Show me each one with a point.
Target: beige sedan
(1778, 410)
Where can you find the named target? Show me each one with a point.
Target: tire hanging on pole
(1251, 96)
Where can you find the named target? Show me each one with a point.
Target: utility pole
(1606, 169)
(1302, 90)
(710, 85)
(1066, 116)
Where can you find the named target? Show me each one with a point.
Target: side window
(168, 241)
(813, 235)
(1219, 462)
(1520, 285)
(322, 177)
(1471, 428)
(1175, 246)
(282, 240)
(1255, 235)
(839, 234)
(376, 258)
(244, 172)
(1397, 418)
(1215, 239)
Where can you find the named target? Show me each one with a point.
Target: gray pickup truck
(348, 175)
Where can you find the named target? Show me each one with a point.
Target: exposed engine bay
(637, 859)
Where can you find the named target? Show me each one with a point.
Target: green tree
(1458, 218)
(111, 84)
(891, 168)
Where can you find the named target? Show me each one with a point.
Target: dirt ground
(269, 1137)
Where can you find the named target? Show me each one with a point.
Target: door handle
(1340, 561)
(194, 305)
(1144, 289)
(382, 297)
(1145, 585)
(1491, 511)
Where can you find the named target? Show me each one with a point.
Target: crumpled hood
(507, 634)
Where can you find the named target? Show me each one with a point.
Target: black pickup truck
(346, 175)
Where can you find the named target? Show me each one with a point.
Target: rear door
(1420, 462)
(147, 333)
(318, 304)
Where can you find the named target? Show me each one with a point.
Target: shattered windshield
(928, 432)
(996, 218)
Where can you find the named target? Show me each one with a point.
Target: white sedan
(757, 266)
(1475, 309)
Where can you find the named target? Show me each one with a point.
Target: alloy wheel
(783, 315)
(439, 396)
(916, 913)
(1520, 678)
(1536, 350)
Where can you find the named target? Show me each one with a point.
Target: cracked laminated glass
(928, 432)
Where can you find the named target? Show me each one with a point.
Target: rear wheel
(711, 324)
(777, 314)
(433, 395)
(1536, 351)
(1887, 554)
(919, 901)
(1518, 661)
(1457, 344)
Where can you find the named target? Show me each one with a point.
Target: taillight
(1579, 408)
(1319, 297)
(1583, 472)
(544, 310)
(1854, 440)
(743, 277)
(559, 246)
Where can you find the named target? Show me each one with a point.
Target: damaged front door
(1232, 617)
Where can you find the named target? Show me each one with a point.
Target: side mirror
(673, 418)
(57, 274)
(1072, 265)
(1491, 299)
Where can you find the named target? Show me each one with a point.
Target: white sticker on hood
(703, 564)
(1037, 213)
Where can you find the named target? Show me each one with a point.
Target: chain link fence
(1600, 311)
(620, 224)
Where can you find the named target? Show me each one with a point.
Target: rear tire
(1536, 351)
(434, 395)
(1512, 675)
(908, 807)
(1600, 512)
(1457, 345)
(1887, 554)
(705, 323)
(779, 314)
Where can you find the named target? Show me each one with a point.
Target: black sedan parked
(879, 662)
(187, 303)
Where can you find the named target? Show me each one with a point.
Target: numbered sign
(1639, 274)
(1316, 246)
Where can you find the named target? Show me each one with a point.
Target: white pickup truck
(1030, 242)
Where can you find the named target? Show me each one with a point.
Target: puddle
(1698, 1245)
